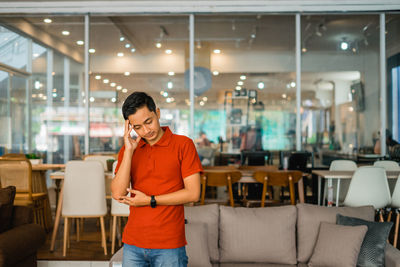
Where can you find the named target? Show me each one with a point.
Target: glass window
(13, 49)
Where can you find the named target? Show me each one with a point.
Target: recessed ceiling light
(238, 88)
(120, 54)
(119, 87)
(292, 84)
(344, 45)
(80, 42)
(168, 51)
(215, 72)
(122, 38)
(217, 51)
(243, 77)
(113, 84)
(205, 99)
(240, 82)
(113, 100)
(165, 94)
(35, 55)
(92, 50)
(201, 103)
(260, 85)
(304, 50)
(91, 99)
(106, 81)
(158, 45)
(124, 90)
(170, 85)
(54, 94)
(284, 95)
(66, 33)
(127, 73)
(171, 73)
(133, 50)
(127, 45)
(97, 77)
(47, 20)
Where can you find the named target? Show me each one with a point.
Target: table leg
(337, 192)
(319, 190)
(330, 192)
(300, 187)
(58, 183)
(57, 219)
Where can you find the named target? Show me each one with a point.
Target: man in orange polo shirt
(163, 170)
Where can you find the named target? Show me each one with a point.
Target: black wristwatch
(153, 202)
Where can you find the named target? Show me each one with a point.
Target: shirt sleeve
(190, 160)
(120, 157)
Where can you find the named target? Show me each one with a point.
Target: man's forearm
(122, 179)
(179, 197)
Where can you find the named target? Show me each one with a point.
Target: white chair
(340, 165)
(84, 196)
(396, 205)
(103, 159)
(369, 186)
(118, 210)
(388, 165)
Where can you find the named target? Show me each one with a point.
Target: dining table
(59, 176)
(339, 175)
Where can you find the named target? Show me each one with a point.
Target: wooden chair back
(16, 171)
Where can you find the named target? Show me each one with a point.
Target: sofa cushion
(337, 245)
(266, 235)
(197, 246)
(7, 196)
(208, 214)
(372, 251)
(231, 264)
(309, 218)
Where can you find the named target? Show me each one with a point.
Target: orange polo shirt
(157, 170)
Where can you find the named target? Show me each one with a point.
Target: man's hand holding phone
(130, 143)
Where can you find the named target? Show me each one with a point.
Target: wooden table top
(45, 167)
(59, 175)
(348, 174)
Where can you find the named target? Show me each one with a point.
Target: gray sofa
(270, 237)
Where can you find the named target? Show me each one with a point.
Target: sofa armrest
(20, 242)
(22, 215)
(392, 256)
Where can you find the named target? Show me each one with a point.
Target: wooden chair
(278, 178)
(218, 177)
(17, 171)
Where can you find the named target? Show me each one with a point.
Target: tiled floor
(73, 264)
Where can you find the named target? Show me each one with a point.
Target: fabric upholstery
(309, 218)
(208, 214)
(197, 246)
(258, 235)
(372, 251)
(337, 245)
(7, 196)
(392, 256)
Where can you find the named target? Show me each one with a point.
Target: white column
(382, 70)
(86, 97)
(49, 112)
(66, 107)
(191, 73)
(298, 82)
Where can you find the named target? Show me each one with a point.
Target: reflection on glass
(13, 49)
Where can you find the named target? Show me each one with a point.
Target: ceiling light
(161, 92)
(238, 88)
(122, 38)
(40, 95)
(92, 50)
(113, 100)
(243, 77)
(304, 50)
(240, 82)
(80, 42)
(120, 54)
(171, 73)
(54, 94)
(158, 45)
(133, 50)
(170, 85)
(47, 20)
(124, 90)
(260, 85)
(201, 103)
(293, 84)
(35, 55)
(169, 99)
(127, 73)
(37, 85)
(215, 72)
(66, 33)
(165, 94)
(44, 97)
(91, 99)
(127, 45)
(217, 51)
(97, 77)
(205, 99)
(284, 95)
(168, 51)
(106, 81)
(354, 49)
(344, 45)
(113, 84)
(119, 87)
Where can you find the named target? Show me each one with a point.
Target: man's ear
(158, 113)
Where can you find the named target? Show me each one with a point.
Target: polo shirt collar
(164, 141)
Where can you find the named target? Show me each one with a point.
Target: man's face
(146, 123)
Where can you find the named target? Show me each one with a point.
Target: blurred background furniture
(19, 236)
(84, 196)
(396, 205)
(388, 165)
(103, 159)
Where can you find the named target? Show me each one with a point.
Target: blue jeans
(142, 257)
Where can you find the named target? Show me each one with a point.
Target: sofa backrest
(309, 218)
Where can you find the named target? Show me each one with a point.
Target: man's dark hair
(135, 101)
